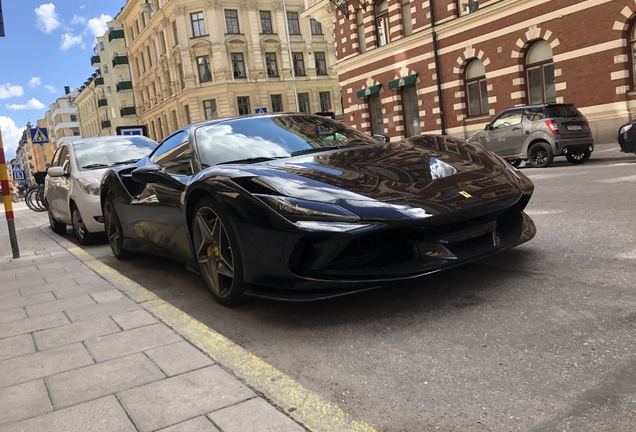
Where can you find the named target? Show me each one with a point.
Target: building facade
(448, 66)
(194, 60)
(62, 120)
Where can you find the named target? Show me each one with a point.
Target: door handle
(516, 128)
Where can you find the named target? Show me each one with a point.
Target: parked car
(71, 187)
(299, 206)
(538, 133)
(627, 137)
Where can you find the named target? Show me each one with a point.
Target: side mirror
(381, 138)
(488, 126)
(56, 171)
(154, 174)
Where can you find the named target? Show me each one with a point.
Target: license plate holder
(574, 127)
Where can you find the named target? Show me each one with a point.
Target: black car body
(627, 137)
(298, 206)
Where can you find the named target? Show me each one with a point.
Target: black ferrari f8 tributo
(301, 207)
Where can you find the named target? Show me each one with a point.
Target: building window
(238, 65)
(325, 101)
(382, 22)
(375, 113)
(166, 82)
(181, 80)
(149, 56)
(159, 128)
(198, 24)
(162, 42)
(467, 6)
(360, 24)
(205, 73)
(101, 45)
(316, 27)
(243, 103)
(73, 118)
(277, 103)
(143, 61)
(411, 110)
(186, 109)
(175, 33)
(137, 26)
(270, 64)
(303, 103)
(321, 63)
(476, 88)
(105, 68)
(209, 109)
(299, 64)
(407, 21)
(540, 73)
(175, 123)
(266, 22)
(231, 21)
(76, 131)
(109, 91)
(293, 23)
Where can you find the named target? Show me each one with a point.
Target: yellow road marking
(308, 408)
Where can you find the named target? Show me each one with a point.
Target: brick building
(449, 66)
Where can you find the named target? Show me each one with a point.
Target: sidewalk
(82, 348)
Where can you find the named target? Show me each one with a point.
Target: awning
(407, 80)
(368, 91)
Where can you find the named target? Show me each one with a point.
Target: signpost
(8, 205)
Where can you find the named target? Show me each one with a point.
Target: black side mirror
(381, 138)
(154, 174)
(488, 126)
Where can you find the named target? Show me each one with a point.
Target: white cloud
(8, 91)
(68, 40)
(50, 88)
(46, 18)
(34, 82)
(33, 103)
(78, 20)
(82, 6)
(97, 26)
(11, 135)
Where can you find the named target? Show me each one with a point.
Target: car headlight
(624, 129)
(89, 185)
(296, 209)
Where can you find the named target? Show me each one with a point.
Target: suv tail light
(554, 127)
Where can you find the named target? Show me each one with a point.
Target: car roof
(540, 105)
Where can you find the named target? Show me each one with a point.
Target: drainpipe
(436, 58)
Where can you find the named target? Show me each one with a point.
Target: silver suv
(537, 133)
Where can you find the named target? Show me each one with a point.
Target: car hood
(425, 176)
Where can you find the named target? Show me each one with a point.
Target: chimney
(67, 89)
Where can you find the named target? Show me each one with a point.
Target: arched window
(476, 88)
(632, 52)
(540, 73)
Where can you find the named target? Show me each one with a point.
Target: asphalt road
(538, 338)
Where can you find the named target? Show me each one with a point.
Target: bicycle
(35, 199)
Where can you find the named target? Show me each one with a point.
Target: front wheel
(113, 230)
(81, 233)
(540, 155)
(217, 253)
(578, 158)
(57, 227)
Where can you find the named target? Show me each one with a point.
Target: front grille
(375, 252)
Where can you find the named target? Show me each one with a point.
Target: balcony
(65, 125)
(128, 111)
(102, 103)
(99, 81)
(105, 124)
(95, 60)
(119, 60)
(115, 34)
(64, 111)
(124, 85)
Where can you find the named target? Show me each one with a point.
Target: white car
(71, 187)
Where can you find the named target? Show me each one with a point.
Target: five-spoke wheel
(81, 233)
(578, 158)
(113, 230)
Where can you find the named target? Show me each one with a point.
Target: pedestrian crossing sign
(39, 135)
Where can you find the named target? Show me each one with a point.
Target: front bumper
(90, 208)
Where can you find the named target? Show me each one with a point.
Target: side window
(56, 157)
(509, 118)
(65, 160)
(174, 154)
(533, 114)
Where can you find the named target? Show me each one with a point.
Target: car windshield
(257, 139)
(100, 153)
(562, 111)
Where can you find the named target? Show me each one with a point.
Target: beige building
(194, 60)
(106, 99)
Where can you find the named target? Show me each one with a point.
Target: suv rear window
(562, 111)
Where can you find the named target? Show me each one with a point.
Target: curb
(305, 407)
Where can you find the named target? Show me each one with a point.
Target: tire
(217, 253)
(540, 155)
(57, 227)
(81, 232)
(578, 158)
(515, 163)
(114, 231)
(35, 200)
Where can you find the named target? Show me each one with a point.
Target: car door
(159, 208)
(505, 133)
(58, 188)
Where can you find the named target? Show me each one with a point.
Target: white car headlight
(89, 185)
(625, 129)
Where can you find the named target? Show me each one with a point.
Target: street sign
(18, 175)
(16, 167)
(261, 110)
(132, 130)
(39, 135)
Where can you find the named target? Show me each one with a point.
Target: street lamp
(291, 59)
(147, 7)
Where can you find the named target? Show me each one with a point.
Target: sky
(47, 45)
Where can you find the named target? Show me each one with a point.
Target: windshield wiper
(314, 150)
(252, 160)
(95, 165)
(129, 161)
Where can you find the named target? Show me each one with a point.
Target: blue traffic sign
(16, 167)
(262, 110)
(18, 175)
(39, 135)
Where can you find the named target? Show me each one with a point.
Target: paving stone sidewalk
(76, 354)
